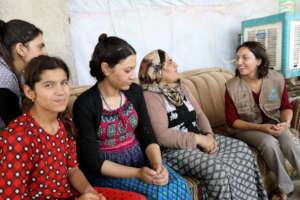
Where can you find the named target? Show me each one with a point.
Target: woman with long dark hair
(20, 41)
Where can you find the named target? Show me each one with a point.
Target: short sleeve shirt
(33, 163)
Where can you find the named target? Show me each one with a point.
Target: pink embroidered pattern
(116, 130)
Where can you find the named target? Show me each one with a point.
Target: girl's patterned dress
(34, 164)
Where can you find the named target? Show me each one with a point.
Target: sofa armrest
(295, 125)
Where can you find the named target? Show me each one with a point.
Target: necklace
(102, 97)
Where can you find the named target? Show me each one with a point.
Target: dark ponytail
(110, 50)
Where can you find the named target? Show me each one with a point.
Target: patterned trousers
(177, 188)
(230, 173)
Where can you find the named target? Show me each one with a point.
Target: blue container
(280, 34)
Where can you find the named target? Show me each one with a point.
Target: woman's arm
(286, 108)
(233, 120)
(79, 182)
(112, 169)
(161, 176)
(146, 174)
(144, 131)
(166, 136)
(85, 119)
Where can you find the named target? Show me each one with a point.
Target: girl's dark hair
(110, 50)
(32, 75)
(259, 52)
(13, 32)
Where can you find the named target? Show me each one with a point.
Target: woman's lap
(177, 187)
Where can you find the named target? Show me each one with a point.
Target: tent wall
(51, 18)
(196, 33)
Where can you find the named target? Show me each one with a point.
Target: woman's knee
(270, 144)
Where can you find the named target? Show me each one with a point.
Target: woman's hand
(162, 174)
(146, 174)
(215, 145)
(206, 142)
(273, 129)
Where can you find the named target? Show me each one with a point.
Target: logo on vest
(273, 96)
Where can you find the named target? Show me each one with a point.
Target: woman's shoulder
(134, 92)
(152, 95)
(8, 79)
(274, 74)
(87, 96)
(134, 87)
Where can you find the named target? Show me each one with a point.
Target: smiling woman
(258, 111)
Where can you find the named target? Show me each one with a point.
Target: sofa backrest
(207, 85)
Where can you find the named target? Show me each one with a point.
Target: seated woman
(259, 113)
(37, 150)
(20, 41)
(225, 167)
(116, 143)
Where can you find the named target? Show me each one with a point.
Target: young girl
(258, 112)
(20, 41)
(117, 146)
(37, 150)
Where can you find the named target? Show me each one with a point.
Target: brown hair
(110, 50)
(32, 75)
(259, 52)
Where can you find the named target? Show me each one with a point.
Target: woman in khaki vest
(259, 113)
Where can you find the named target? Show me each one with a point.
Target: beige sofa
(208, 87)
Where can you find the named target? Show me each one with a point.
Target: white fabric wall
(51, 18)
(195, 33)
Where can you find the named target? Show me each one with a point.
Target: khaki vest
(269, 99)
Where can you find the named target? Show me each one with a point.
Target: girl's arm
(157, 175)
(79, 182)
(116, 170)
